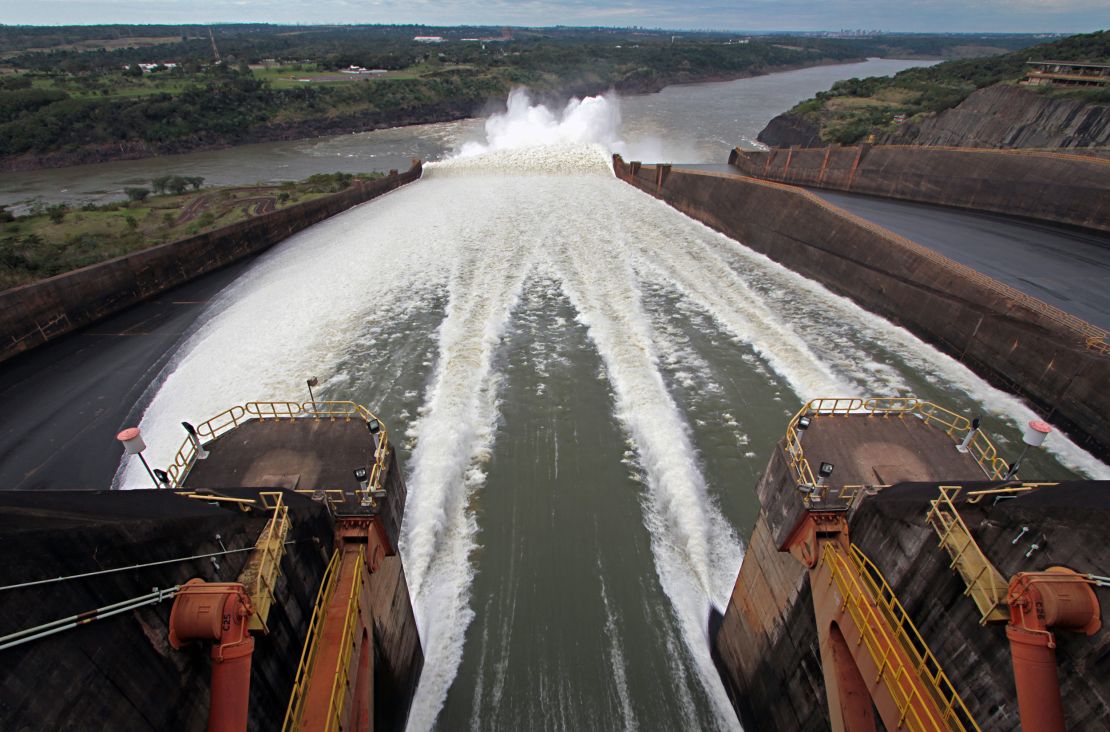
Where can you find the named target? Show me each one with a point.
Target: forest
(80, 90)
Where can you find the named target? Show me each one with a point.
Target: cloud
(920, 15)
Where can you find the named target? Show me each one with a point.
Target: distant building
(428, 39)
(147, 68)
(1067, 73)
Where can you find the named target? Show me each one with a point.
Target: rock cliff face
(999, 116)
(786, 130)
(1010, 116)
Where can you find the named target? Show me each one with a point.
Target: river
(585, 386)
(691, 123)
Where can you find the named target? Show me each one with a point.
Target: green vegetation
(855, 108)
(54, 239)
(68, 89)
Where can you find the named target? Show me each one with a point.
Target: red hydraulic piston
(1059, 599)
(219, 612)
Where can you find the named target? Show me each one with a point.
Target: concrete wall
(33, 314)
(1063, 187)
(1014, 341)
(767, 650)
(398, 656)
(120, 673)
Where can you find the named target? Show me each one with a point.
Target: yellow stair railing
(264, 566)
(985, 584)
(340, 674)
(905, 664)
(308, 653)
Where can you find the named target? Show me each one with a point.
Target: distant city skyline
(978, 16)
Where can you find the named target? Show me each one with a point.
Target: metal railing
(237, 415)
(985, 585)
(954, 425)
(1010, 490)
(1098, 344)
(891, 639)
(341, 678)
(271, 548)
(307, 664)
(308, 652)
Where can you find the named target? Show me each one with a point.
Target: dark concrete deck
(884, 450)
(299, 454)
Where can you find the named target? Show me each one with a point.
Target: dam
(586, 386)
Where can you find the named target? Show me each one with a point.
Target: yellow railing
(1098, 344)
(954, 425)
(308, 653)
(341, 678)
(984, 584)
(232, 417)
(1009, 490)
(885, 629)
(268, 550)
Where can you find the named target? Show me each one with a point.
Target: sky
(1032, 16)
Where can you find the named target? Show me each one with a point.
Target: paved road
(1066, 268)
(63, 403)
(1063, 267)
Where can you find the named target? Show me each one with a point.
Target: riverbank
(449, 110)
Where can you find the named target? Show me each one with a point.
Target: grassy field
(56, 239)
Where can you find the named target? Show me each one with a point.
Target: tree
(160, 183)
(132, 224)
(195, 181)
(177, 185)
(57, 212)
(137, 194)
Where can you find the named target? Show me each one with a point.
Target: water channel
(585, 385)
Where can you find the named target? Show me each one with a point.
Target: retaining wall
(1062, 187)
(767, 650)
(1016, 342)
(33, 314)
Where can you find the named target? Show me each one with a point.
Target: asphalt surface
(1066, 268)
(64, 403)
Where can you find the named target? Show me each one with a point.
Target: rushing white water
(536, 201)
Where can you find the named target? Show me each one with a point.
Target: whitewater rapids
(517, 266)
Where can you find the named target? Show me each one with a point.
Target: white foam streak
(454, 438)
(238, 355)
(695, 555)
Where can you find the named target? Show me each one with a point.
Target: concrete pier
(766, 646)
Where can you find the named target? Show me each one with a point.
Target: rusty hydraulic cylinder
(1057, 599)
(220, 612)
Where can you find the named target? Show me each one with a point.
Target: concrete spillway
(586, 385)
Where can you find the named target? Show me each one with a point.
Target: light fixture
(374, 426)
(201, 453)
(363, 478)
(804, 422)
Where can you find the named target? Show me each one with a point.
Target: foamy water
(536, 202)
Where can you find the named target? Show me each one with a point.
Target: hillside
(77, 94)
(927, 105)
